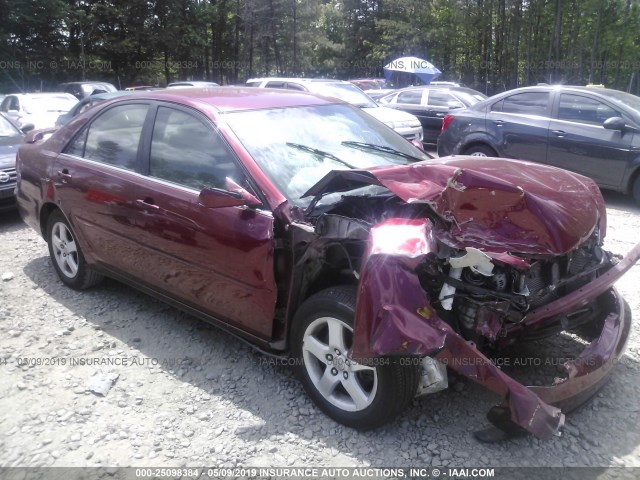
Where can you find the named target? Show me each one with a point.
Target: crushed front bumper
(394, 318)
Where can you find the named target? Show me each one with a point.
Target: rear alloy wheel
(356, 395)
(480, 151)
(66, 254)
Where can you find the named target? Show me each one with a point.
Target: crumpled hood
(496, 205)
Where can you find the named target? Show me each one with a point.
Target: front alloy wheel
(356, 395)
(342, 382)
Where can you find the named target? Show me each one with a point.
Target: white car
(40, 109)
(192, 83)
(404, 123)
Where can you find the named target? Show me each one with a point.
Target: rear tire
(355, 395)
(66, 255)
(481, 151)
(636, 189)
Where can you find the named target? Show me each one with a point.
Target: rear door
(96, 181)
(519, 123)
(579, 142)
(437, 103)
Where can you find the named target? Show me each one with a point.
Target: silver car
(404, 123)
(40, 109)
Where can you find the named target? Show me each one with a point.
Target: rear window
(528, 103)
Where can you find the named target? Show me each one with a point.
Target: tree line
(490, 45)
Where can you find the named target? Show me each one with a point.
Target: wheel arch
(633, 176)
(310, 278)
(45, 212)
(478, 143)
(478, 138)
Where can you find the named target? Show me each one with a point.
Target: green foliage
(491, 45)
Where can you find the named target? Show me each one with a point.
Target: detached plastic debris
(101, 383)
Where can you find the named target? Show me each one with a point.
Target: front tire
(66, 255)
(358, 396)
(480, 151)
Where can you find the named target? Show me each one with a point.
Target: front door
(219, 260)
(579, 142)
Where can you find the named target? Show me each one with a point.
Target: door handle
(499, 122)
(559, 133)
(64, 175)
(439, 114)
(147, 204)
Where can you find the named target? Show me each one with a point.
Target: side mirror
(250, 200)
(215, 198)
(618, 123)
(27, 127)
(615, 123)
(36, 135)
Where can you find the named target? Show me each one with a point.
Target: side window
(188, 152)
(529, 103)
(113, 137)
(440, 99)
(410, 98)
(10, 103)
(497, 107)
(295, 86)
(274, 85)
(77, 146)
(577, 108)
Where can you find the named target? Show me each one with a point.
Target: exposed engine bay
(479, 296)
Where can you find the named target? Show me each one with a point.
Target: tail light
(445, 123)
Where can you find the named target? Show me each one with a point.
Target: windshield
(343, 91)
(7, 129)
(296, 147)
(49, 104)
(470, 97)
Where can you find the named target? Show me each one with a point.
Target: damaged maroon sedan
(312, 230)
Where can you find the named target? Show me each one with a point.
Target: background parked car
(194, 83)
(10, 138)
(592, 131)
(86, 103)
(374, 87)
(145, 88)
(405, 124)
(40, 109)
(430, 104)
(81, 90)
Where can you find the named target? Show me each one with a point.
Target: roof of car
(545, 88)
(226, 99)
(194, 83)
(43, 95)
(297, 80)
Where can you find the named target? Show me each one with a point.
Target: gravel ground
(186, 394)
